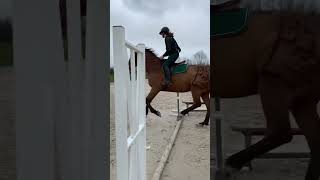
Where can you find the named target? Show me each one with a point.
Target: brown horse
(196, 80)
(277, 57)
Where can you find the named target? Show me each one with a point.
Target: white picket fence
(130, 108)
(61, 107)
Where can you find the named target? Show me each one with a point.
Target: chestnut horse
(195, 79)
(277, 57)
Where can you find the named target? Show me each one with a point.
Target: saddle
(228, 19)
(179, 67)
(179, 63)
(228, 5)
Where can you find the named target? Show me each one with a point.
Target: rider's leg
(166, 71)
(167, 68)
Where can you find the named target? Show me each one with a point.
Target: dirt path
(189, 158)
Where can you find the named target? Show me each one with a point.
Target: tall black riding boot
(167, 76)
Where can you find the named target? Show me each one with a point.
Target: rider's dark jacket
(171, 46)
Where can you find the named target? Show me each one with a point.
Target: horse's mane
(152, 51)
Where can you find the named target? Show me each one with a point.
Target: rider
(172, 50)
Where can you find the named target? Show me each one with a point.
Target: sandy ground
(189, 158)
(247, 112)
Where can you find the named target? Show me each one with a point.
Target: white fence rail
(61, 110)
(130, 107)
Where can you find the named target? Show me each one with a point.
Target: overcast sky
(143, 19)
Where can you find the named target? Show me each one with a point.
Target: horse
(195, 79)
(266, 59)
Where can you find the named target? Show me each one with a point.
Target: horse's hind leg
(206, 100)
(276, 109)
(305, 114)
(196, 102)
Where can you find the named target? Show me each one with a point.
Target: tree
(200, 58)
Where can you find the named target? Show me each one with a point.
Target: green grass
(6, 54)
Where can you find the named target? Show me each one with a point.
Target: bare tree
(200, 58)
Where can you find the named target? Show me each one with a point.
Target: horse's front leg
(150, 97)
(152, 110)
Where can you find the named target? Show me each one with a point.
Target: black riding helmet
(164, 30)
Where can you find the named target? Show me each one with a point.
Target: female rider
(172, 50)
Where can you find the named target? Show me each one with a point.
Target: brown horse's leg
(206, 100)
(306, 116)
(276, 109)
(196, 101)
(153, 92)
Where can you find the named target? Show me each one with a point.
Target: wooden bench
(248, 133)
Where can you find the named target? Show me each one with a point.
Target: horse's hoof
(158, 113)
(203, 124)
(200, 125)
(230, 172)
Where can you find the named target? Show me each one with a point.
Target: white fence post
(73, 158)
(130, 106)
(38, 56)
(61, 117)
(142, 112)
(97, 63)
(121, 109)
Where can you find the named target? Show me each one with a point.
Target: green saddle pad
(228, 22)
(181, 68)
